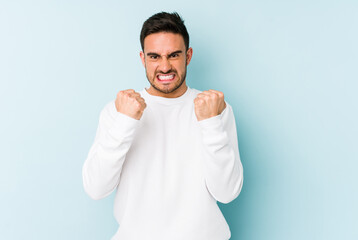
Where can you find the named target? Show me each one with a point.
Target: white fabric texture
(168, 169)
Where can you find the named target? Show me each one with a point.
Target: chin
(167, 90)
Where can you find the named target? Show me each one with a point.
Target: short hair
(164, 22)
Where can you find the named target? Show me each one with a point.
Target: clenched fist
(130, 103)
(208, 104)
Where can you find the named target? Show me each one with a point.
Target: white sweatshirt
(168, 168)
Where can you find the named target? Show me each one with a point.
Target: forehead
(164, 42)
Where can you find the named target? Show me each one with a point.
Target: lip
(166, 81)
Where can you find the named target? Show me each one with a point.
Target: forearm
(223, 168)
(102, 168)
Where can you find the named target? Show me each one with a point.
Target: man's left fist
(209, 104)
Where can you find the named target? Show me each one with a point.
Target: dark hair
(164, 22)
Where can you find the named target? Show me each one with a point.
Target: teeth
(167, 77)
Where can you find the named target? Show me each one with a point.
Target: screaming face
(165, 61)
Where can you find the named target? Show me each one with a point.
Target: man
(170, 151)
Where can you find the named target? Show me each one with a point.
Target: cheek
(150, 68)
(182, 67)
(179, 66)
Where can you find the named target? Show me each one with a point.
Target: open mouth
(166, 77)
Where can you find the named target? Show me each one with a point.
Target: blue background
(288, 68)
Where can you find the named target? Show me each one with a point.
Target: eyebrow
(156, 54)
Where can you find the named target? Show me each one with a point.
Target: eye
(174, 55)
(153, 57)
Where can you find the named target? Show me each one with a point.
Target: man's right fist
(130, 103)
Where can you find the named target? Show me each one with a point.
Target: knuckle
(200, 101)
(138, 105)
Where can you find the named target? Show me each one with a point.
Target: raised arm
(223, 168)
(116, 128)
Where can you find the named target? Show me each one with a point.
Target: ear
(141, 54)
(189, 54)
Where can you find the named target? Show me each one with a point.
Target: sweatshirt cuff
(210, 123)
(213, 122)
(123, 125)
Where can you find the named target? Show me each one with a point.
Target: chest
(165, 158)
(167, 142)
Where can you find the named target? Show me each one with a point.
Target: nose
(164, 65)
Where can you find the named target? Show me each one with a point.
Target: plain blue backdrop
(288, 68)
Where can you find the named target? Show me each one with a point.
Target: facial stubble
(166, 91)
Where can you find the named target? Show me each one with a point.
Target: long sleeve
(102, 168)
(223, 167)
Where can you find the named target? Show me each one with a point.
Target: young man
(170, 151)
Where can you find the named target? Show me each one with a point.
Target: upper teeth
(166, 77)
